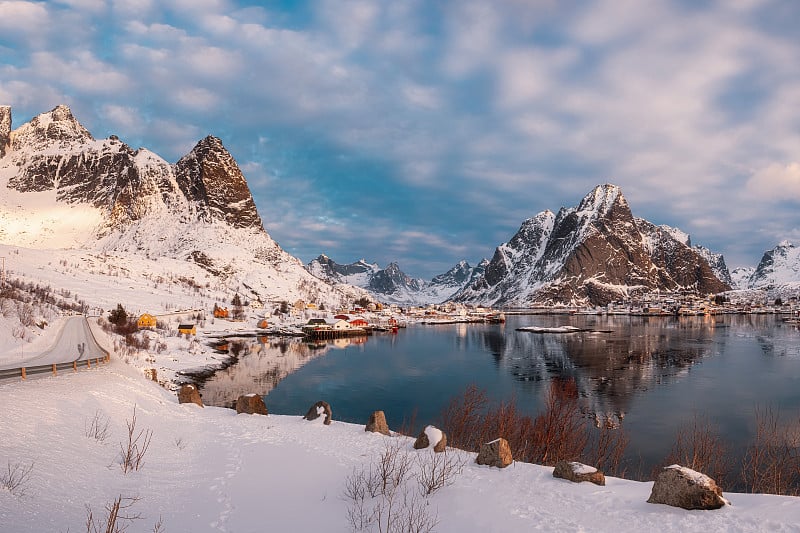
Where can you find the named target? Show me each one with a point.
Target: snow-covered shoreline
(213, 470)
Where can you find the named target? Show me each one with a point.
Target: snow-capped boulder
(189, 394)
(683, 487)
(495, 453)
(431, 437)
(377, 423)
(251, 404)
(320, 409)
(578, 472)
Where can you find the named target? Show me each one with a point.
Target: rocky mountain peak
(588, 254)
(5, 128)
(603, 200)
(778, 266)
(209, 176)
(57, 126)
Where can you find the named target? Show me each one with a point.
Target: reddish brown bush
(699, 446)
(559, 432)
(771, 463)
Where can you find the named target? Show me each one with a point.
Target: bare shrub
(606, 450)
(26, 314)
(464, 419)
(437, 470)
(118, 517)
(133, 451)
(771, 464)
(405, 512)
(379, 498)
(141, 343)
(180, 443)
(559, 433)
(409, 425)
(97, 427)
(16, 478)
(699, 446)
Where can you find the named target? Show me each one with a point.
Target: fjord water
(651, 374)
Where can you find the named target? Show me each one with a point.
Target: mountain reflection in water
(263, 363)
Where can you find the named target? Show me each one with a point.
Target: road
(73, 343)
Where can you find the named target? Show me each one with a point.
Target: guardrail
(24, 372)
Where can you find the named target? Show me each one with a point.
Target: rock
(578, 472)
(683, 487)
(320, 409)
(496, 453)
(377, 423)
(251, 404)
(5, 128)
(210, 177)
(431, 437)
(189, 394)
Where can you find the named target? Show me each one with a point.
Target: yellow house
(146, 321)
(188, 329)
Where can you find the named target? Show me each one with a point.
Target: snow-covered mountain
(715, 261)
(740, 277)
(590, 254)
(62, 188)
(779, 267)
(392, 285)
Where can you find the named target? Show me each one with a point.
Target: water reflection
(263, 363)
(610, 365)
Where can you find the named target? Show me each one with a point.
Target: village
(313, 321)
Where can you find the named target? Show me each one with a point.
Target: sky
(426, 132)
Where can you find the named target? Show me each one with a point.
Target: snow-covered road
(74, 342)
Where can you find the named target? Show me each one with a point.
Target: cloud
(22, 22)
(122, 118)
(776, 182)
(445, 120)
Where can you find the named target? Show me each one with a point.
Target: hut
(187, 329)
(146, 321)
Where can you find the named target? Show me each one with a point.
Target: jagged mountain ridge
(715, 261)
(391, 284)
(778, 267)
(127, 201)
(591, 254)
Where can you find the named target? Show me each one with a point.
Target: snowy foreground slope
(213, 470)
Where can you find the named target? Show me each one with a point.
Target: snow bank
(213, 470)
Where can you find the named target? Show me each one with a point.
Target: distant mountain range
(590, 254)
(392, 285)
